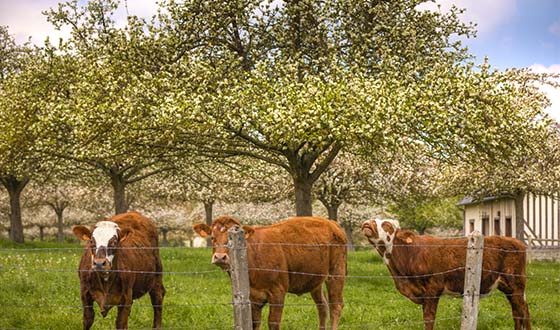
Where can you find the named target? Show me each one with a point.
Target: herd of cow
(121, 262)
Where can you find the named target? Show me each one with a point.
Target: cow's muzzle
(101, 265)
(221, 259)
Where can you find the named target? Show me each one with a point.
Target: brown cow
(120, 263)
(297, 255)
(425, 267)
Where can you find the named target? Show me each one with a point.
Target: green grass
(39, 289)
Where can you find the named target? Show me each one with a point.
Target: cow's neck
(392, 254)
(106, 279)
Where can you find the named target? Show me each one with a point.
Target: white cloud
(488, 14)
(554, 28)
(552, 93)
(24, 17)
(140, 8)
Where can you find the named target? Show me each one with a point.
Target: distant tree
(30, 88)
(343, 183)
(422, 214)
(113, 102)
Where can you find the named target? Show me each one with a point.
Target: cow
(425, 267)
(120, 263)
(296, 255)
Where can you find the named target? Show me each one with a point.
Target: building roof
(468, 200)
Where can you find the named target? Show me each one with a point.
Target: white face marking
(103, 232)
(385, 237)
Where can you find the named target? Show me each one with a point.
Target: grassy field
(39, 289)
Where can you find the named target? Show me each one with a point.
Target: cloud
(25, 19)
(140, 8)
(554, 28)
(488, 15)
(553, 93)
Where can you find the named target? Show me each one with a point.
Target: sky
(511, 33)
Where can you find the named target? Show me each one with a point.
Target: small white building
(496, 216)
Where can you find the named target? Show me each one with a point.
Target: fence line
(351, 302)
(272, 270)
(364, 246)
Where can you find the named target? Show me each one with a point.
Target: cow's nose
(99, 263)
(220, 258)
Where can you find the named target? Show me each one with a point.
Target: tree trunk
(333, 212)
(14, 188)
(208, 210)
(304, 198)
(41, 233)
(119, 193)
(60, 225)
(164, 236)
(519, 221)
(348, 231)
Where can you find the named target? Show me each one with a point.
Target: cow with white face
(120, 263)
(103, 242)
(424, 267)
(381, 233)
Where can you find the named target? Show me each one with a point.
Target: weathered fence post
(239, 279)
(473, 274)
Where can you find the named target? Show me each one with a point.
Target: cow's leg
(256, 312)
(335, 286)
(124, 310)
(89, 314)
(519, 307)
(156, 296)
(429, 309)
(276, 301)
(322, 306)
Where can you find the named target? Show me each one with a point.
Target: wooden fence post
(473, 274)
(239, 273)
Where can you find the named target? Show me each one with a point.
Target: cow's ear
(248, 231)
(124, 234)
(82, 232)
(202, 229)
(407, 237)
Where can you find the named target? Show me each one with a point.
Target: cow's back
(301, 251)
(144, 232)
(440, 257)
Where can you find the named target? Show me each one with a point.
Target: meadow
(39, 289)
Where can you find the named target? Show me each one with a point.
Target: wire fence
(39, 281)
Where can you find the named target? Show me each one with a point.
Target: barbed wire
(229, 304)
(273, 270)
(549, 248)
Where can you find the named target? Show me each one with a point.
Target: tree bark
(519, 221)
(41, 233)
(304, 198)
(164, 236)
(348, 231)
(60, 224)
(333, 211)
(14, 188)
(208, 210)
(119, 193)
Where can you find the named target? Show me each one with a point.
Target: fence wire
(553, 277)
